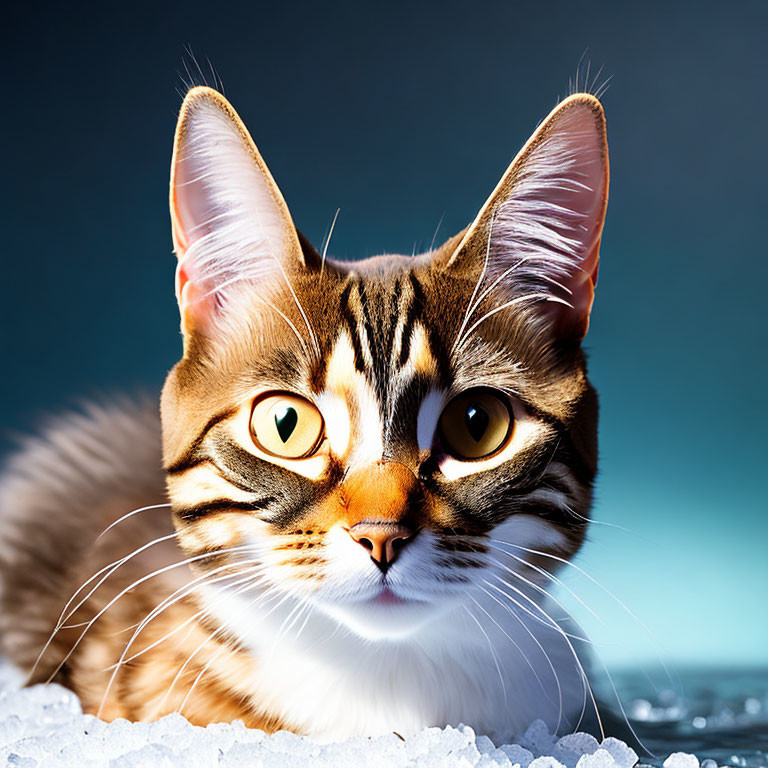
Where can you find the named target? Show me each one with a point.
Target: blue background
(401, 114)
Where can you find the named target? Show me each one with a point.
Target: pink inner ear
(189, 211)
(546, 230)
(192, 208)
(193, 292)
(196, 304)
(573, 320)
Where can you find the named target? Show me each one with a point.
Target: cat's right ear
(230, 223)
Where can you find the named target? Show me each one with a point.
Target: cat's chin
(383, 617)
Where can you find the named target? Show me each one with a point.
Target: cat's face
(382, 440)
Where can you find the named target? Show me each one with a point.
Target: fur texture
(381, 580)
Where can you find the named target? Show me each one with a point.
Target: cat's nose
(382, 539)
(379, 505)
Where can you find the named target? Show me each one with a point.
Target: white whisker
(467, 312)
(125, 591)
(158, 707)
(62, 618)
(511, 303)
(164, 604)
(130, 514)
(517, 647)
(581, 571)
(327, 241)
(541, 648)
(566, 637)
(547, 575)
(494, 655)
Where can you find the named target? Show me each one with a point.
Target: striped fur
(257, 601)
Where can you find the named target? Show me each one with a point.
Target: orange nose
(378, 502)
(383, 540)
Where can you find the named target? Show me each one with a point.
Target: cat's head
(386, 438)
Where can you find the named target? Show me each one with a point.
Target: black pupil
(286, 419)
(476, 419)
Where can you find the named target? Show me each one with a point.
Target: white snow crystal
(538, 738)
(518, 754)
(44, 727)
(570, 748)
(623, 755)
(582, 743)
(600, 758)
(681, 760)
(546, 762)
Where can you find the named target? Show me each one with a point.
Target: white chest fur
(496, 672)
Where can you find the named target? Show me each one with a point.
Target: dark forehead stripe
(380, 324)
(382, 316)
(348, 317)
(371, 314)
(415, 308)
(418, 310)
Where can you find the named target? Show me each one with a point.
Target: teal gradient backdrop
(403, 115)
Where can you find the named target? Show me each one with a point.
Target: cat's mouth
(388, 597)
(381, 614)
(383, 596)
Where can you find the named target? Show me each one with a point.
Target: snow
(681, 760)
(44, 726)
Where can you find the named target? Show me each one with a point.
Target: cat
(362, 479)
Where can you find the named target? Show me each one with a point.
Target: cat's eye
(286, 425)
(476, 424)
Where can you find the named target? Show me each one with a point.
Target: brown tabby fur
(52, 524)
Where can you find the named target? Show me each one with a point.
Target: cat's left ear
(230, 223)
(538, 235)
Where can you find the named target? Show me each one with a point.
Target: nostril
(382, 539)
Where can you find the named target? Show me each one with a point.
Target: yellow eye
(476, 424)
(286, 425)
